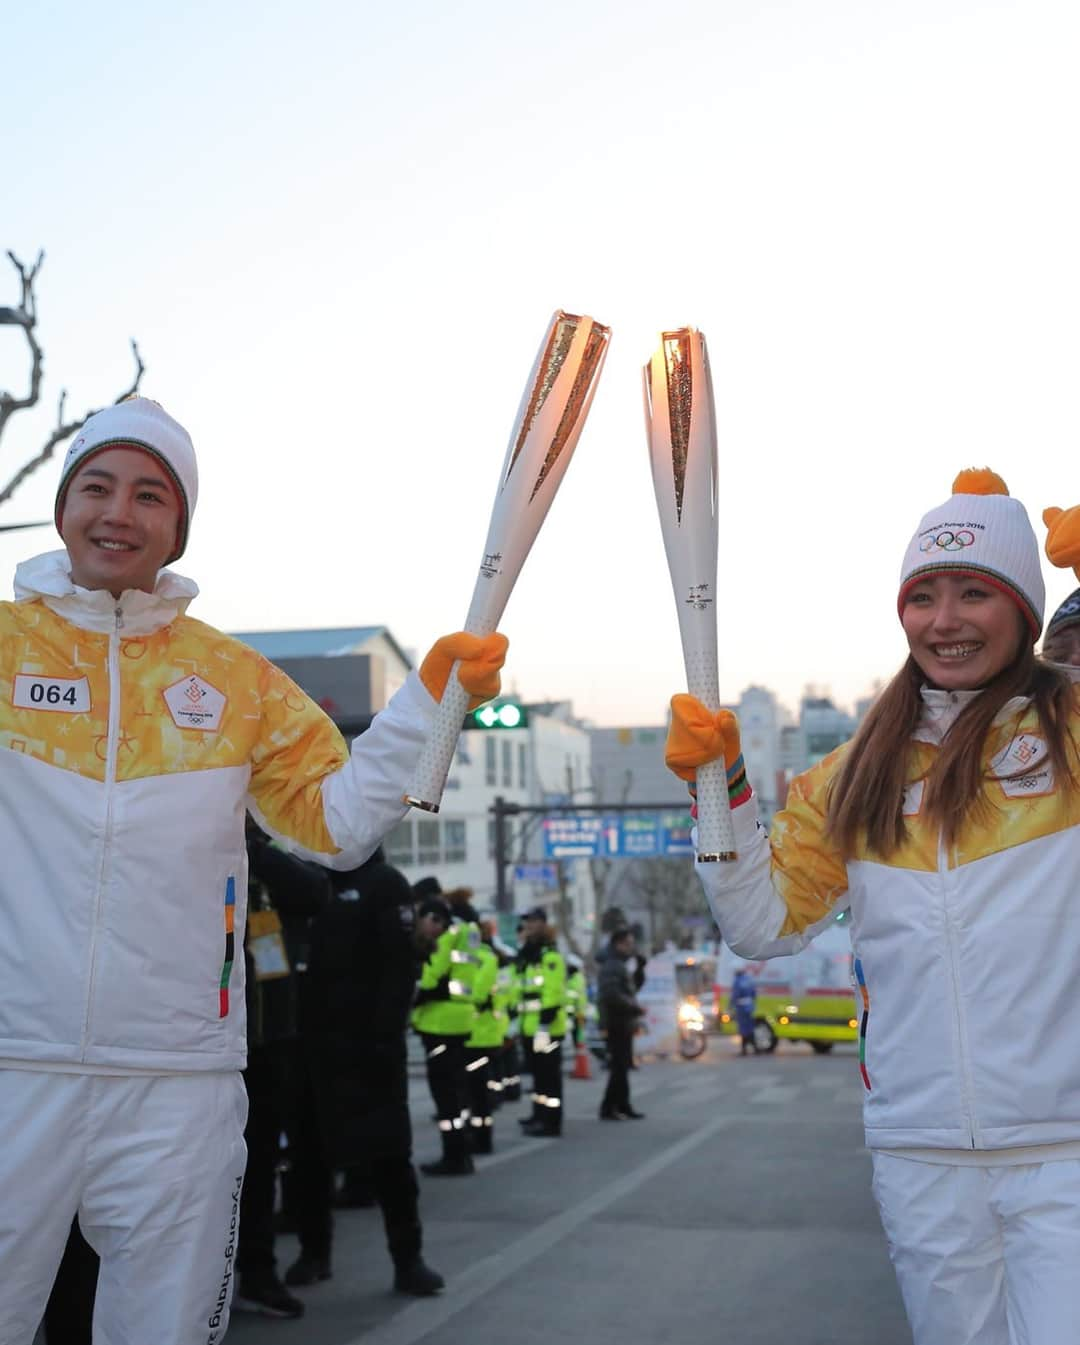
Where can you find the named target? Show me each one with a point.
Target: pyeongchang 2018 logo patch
(195, 704)
(1023, 768)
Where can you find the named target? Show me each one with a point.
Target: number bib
(66, 695)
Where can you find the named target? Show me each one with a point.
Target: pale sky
(338, 232)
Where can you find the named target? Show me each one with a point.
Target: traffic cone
(581, 1068)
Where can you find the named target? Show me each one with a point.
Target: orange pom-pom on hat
(982, 531)
(979, 481)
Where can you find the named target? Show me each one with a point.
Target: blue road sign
(617, 835)
(544, 874)
(573, 837)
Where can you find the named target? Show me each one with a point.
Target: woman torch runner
(949, 828)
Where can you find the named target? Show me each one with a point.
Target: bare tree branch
(671, 892)
(25, 316)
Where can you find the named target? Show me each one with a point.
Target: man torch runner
(132, 740)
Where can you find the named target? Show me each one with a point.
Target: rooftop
(324, 643)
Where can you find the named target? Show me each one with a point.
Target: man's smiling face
(121, 518)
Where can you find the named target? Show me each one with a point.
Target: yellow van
(809, 996)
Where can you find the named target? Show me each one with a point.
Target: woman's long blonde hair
(866, 798)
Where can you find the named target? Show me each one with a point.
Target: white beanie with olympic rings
(982, 531)
(140, 423)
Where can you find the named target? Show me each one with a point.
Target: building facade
(353, 671)
(530, 766)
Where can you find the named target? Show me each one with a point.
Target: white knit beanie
(982, 531)
(141, 423)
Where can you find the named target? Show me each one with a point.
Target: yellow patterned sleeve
(808, 871)
(298, 747)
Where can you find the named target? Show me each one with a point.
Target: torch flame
(595, 345)
(680, 395)
(560, 339)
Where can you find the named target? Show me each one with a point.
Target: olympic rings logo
(947, 541)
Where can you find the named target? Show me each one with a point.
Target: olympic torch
(681, 426)
(549, 421)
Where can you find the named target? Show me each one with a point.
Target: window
(489, 759)
(491, 838)
(399, 843)
(453, 841)
(427, 840)
(507, 762)
(523, 766)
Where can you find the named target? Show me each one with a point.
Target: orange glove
(481, 658)
(697, 736)
(1063, 538)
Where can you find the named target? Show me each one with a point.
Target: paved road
(739, 1210)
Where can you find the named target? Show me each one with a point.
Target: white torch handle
(716, 834)
(429, 777)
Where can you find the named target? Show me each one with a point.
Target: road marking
(420, 1319)
(493, 1160)
(777, 1093)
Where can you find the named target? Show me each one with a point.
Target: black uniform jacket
(296, 891)
(361, 975)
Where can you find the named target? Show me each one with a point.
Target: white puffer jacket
(132, 739)
(968, 957)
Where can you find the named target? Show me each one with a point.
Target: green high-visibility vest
(543, 990)
(513, 992)
(489, 1027)
(446, 1007)
(577, 996)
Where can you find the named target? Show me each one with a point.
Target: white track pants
(153, 1166)
(984, 1255)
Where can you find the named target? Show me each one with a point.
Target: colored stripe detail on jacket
(863, 1021)
(226, 970)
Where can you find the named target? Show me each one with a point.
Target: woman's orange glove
(481, 657)
(698, 735)
(1063, 538)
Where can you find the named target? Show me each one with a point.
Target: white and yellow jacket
(967, 958)
(132, 739)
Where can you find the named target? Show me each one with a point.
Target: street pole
(502, 810)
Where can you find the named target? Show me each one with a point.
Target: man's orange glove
(1063, 538)
(481, 657)
(697, 736)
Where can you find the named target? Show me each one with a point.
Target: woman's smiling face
(961, 630)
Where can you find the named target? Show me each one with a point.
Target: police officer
(543, 1022)
(485, 1044)
(742, 1004)
(444, 1016)
(366, 950)
(504, 1067)
(510, 991)
(577, 1000)
(284, 894)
